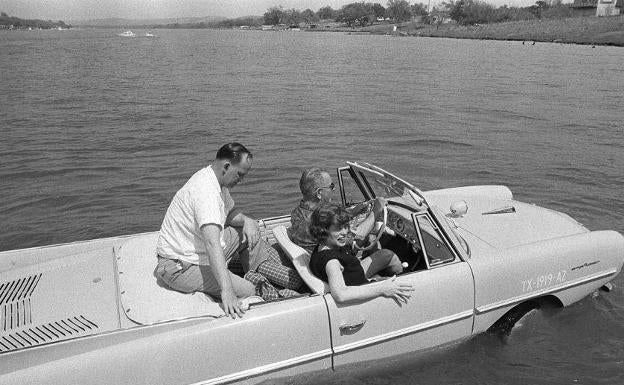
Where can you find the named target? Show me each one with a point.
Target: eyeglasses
(331, 187)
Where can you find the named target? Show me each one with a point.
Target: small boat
(149, 34)
(127, 34)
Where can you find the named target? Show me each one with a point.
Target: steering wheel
(377, 232)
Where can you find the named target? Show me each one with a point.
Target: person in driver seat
(334, 263)
(317, 188)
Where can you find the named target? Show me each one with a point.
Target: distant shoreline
(578, 30)
(9, 23)
(606, 31)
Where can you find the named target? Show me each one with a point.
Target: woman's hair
(324, 217)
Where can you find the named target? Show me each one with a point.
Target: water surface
(98, 132)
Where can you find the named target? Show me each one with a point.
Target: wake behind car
(93, 312)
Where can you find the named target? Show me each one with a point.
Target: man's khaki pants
(187, 277)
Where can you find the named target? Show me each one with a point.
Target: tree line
(465, 12)
(8, 22)
(471, 12)
(362, 14)
(353, 14)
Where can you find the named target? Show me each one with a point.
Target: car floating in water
(93, 312)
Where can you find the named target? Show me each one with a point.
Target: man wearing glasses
(317, 188)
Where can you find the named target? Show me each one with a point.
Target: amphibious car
(93, 312)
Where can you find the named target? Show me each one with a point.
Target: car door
(439, 311)
(441, 308)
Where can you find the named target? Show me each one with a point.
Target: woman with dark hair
(332, 262)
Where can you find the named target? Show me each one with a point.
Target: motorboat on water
(149, 34)
(127, 34)
(93, 312)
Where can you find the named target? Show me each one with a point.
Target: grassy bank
(578, 30)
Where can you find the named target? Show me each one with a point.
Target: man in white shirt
(202, 230)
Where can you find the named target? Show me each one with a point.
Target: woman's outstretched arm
(389, 288)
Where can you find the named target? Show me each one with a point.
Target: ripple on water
(105, 130)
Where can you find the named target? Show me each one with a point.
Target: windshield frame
(363, 168)
(359, 171)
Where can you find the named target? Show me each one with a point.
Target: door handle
(352, 328)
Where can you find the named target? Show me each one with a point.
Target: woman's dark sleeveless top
(353, 272)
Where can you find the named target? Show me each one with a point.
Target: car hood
(508, 223)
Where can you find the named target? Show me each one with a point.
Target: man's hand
(231, 306)
(378, 205)
(251, 231)
(359, 209)
(218, 265)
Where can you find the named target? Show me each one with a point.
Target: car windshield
(386, 185)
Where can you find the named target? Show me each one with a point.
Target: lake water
(99, 131)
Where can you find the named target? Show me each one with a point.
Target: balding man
(317, 188)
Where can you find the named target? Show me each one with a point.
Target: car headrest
(300, 259)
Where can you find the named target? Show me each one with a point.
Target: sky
(152, 9)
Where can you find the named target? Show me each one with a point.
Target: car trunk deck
(62, 292)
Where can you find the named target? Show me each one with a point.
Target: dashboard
(400, 222)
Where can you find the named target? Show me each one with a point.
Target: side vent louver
(15, 307)
(17, 328)
(42, 334)
(19, 289)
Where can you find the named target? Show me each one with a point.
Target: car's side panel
(568, 268)
(273, 339)
(440, 311)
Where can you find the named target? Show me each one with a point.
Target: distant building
(608, 8)
(597, 7)
(439, 17)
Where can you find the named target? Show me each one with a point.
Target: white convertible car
(93, 313)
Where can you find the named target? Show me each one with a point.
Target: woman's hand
(400, 292)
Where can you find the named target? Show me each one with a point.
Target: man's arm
(251, 231)
(212, 238)
(361, 230)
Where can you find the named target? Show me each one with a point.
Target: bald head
(315, 185)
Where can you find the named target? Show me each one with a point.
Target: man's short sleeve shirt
(199, 202)
(299, 231)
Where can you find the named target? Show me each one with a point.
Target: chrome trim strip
(538, 293)
(267, 368)
(357, 165)
(403, 332)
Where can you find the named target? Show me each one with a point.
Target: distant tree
(419, 9)
(399, 10)
(309, 16)
(292, 17)
(379, 10)
(3, 14)
(470, 12)
(356, 14)
(537, 8)
(274, 16)
(326, 13)
(252, 21)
